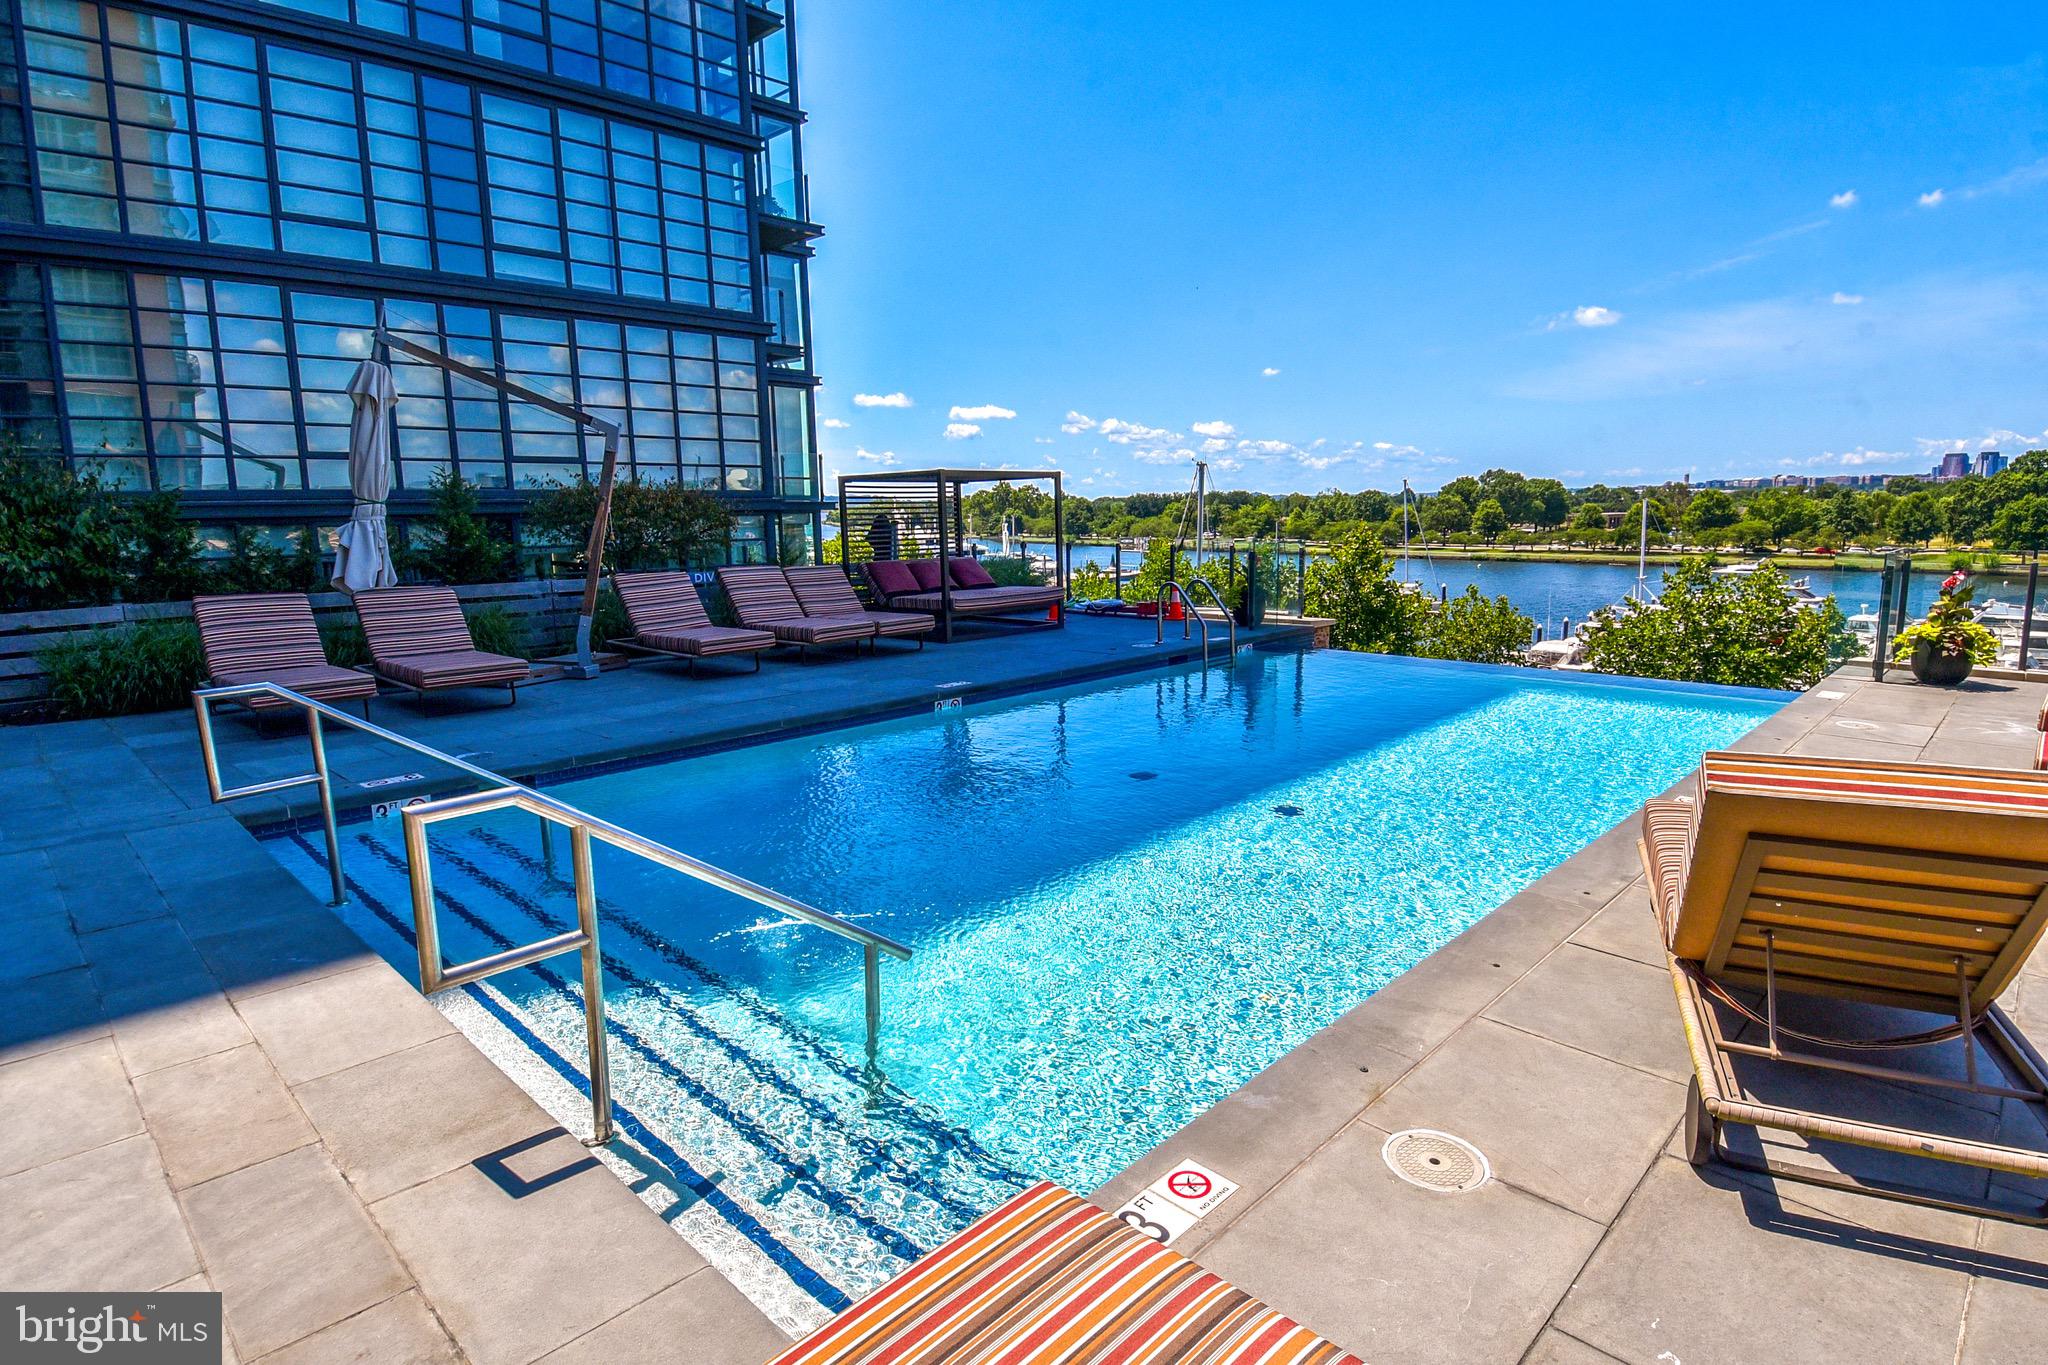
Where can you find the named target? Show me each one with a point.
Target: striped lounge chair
(824, 590)
(1049, 1279)
(762, 600)
(270, 637)
(1910, 887)
(420, 641)
(669, 620)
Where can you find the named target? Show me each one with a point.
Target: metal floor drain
(1436, 1161)
(1142, 776)
(1288, 809)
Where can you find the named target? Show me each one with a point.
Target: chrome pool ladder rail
(1173, 587)
(583, 827)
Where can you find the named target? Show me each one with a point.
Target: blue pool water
(1124, 900)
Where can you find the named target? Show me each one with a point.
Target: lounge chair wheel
(1699, 1126)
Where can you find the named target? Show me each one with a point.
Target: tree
(652, 525)
(1709, 511)
(1785, 512)
(1511, 491)
(1161, 564)
(1914, 519)
(163, 552)
(2021, 526)
(1447, 514)
(455, 544)
(1739, 629)
(1589, 516)
(1552, 503)
(1354, 587)
(1489, 520)
(1967, 511)
(1751, 534)
(1476, 629)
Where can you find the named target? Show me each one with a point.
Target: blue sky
(1340, 245)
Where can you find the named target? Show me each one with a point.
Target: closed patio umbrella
(362, 557)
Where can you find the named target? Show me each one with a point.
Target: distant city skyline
(1611, 249)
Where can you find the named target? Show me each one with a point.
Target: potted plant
(1943, 648)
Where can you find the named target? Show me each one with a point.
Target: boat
(1803, 595)
(1568, 654)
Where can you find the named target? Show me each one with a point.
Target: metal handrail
(583, 827)
(1228, 620)
(1173, 587)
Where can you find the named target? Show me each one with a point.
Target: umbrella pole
(593, 554)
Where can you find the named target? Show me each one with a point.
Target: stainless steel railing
(583, 827)
(1174, 587)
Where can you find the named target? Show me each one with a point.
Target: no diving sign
(1176, 1201)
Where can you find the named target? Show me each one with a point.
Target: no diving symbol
(1189, 1185)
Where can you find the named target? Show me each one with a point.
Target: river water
(1549, 593)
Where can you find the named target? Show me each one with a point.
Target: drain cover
(1289, 809)
(1142, 776)
(1436, 1161)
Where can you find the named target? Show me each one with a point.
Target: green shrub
(453, 542)
(148, 667)
(1013, 571)
(163, 552)
(342, 638)
(610, 621)
(61, 535)
(255, 565)
(495, 632)
(652, 525)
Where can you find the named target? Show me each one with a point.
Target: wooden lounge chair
(824, 590)
(1049, 1277)
(762, 600)
(669, 620)
(1912, 887)
(420, 641)
(271, 637)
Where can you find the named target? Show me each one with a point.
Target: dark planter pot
(1931, 666)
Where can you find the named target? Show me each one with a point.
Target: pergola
(921, 514)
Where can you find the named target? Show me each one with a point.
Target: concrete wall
(545, 611)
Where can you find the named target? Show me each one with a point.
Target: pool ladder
(505, 794)
(1174, 587)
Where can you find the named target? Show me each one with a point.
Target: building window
(781, 189)
(785, 286)
(795, 462)
(196, 383)
(371, 163)
(683, 54)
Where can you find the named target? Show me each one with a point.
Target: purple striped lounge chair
(419, 641)
(669, 621)
(762, 600)
(913, 585)
(270, 637)
(823, 590)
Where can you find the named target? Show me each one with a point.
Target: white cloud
(1076, 424)
(1133, 433)
(1845, 200)
(1265, 447)
(886, 457)
(1585, 315)
(837, 424)
(1214, 444)
(1214, 429)
(1164, 455)
(1846, 299)
(1320, 462)
(1042, 440)
(1268, 372)
(987, 412)
(2019, 178)
(898, 399)
(1932, 198)
(961, 431)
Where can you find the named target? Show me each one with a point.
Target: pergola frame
(942, 492)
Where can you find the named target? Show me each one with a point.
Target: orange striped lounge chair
(420, 641)
(762, 600)
(271, 637)
(824, 590)
(1049, 1279)
(669, 620)
(1912, 887)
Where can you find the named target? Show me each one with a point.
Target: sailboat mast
(1201, 508)
(1404, 530)
(1643, 555)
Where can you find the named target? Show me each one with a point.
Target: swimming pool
(1124, 900)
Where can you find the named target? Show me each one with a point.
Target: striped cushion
(1049, 1279)
(455, 668)
(759, 594)
(983, 601)
(321, 682)
(398, 622)
(251, 635)
(1927, 786)
(895, 623)
(822, 590)
(659, 602)
(821, 630)
(706, 641)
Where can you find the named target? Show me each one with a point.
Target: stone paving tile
(1626, 927)
(1555, 1348)
(220, 1113)
(1565, 1125)
(1708, 1268)
(1400, 1274)
(38, 946)
(1602, 1004)
(341, 1021)
(704, 1309)
(2007, 1321)
(47, 1012)
(397, 1120)
(1841, 744)
(489, 1242)
(31, 890)
(59, 1103)
(174, 1019)
(288, 946)
(290, 1248)
(102, 881)
(104, 1219)
(137, 954)
(398, 1331)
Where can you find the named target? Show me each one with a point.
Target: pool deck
(207, 1081)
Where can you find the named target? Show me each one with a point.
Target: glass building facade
(207, 205)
